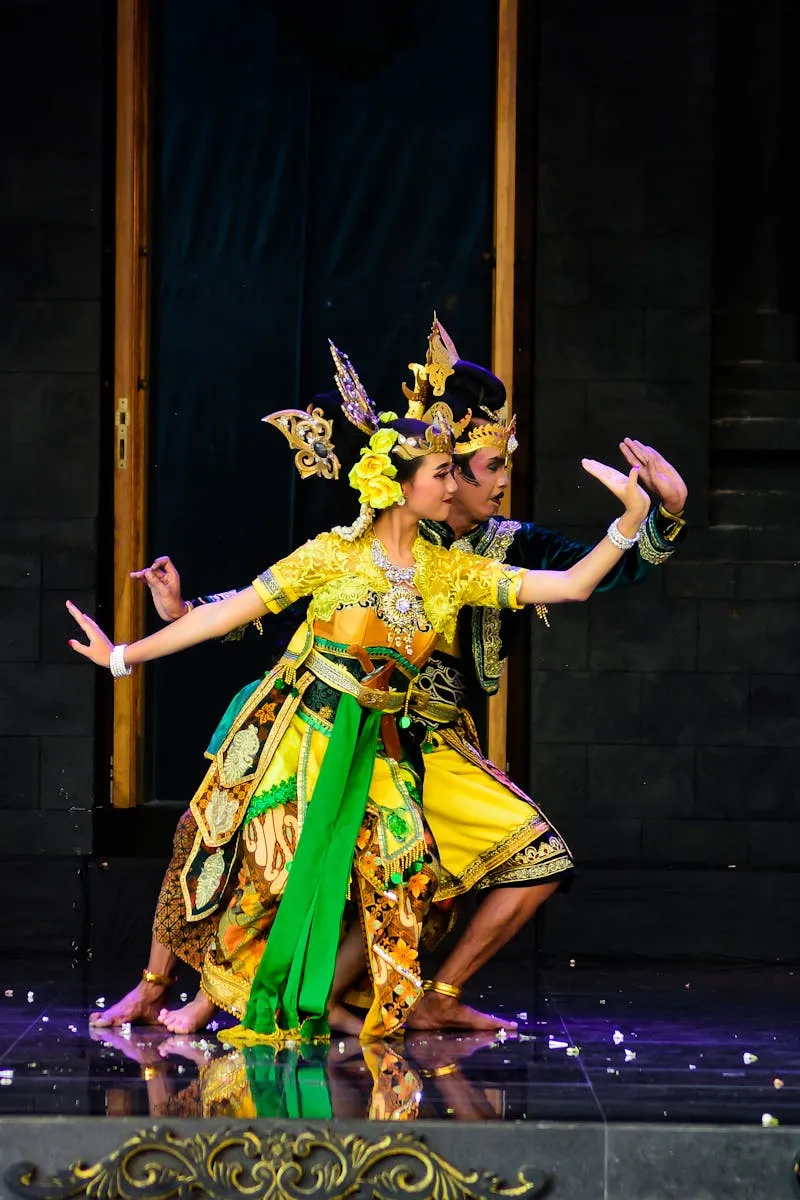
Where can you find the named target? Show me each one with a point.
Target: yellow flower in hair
(380, 492)
(381, 442)
(386, 418)
(370, 466)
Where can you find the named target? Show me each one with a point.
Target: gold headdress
(361, 412)
(310, 434)
(497, 435)
(356, 404)
(430, 379)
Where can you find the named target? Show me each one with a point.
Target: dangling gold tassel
(541, 612)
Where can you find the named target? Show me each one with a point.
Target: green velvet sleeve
(539, 549)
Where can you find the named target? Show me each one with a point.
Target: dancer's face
(479, 497)
(429, 493)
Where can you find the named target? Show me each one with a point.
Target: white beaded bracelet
(116, 663)
(618, 539)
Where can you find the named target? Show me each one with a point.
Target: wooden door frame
(131, 332)
(131, 321)
(505, 184)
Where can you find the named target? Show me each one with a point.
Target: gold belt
(416, 701)
(340, 678)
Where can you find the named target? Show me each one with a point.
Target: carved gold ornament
(277, 1165)
(311, 435)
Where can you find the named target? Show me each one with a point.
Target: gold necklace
(400, 609)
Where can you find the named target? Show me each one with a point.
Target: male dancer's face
(481, 481)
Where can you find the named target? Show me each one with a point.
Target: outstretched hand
(625, 487)
(657, 475)
(99, 647)
(165, 587)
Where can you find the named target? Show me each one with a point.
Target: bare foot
(193, 1016)
(444, 1012)
(140, 1006)
(341, 1020)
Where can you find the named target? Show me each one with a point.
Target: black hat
(471, 387)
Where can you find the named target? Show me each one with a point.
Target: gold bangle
(443, 989)
(671, 516)
(153, 977)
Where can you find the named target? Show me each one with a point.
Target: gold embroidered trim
(561, 865)
(225, 989)
(487, 640)
(271, 593)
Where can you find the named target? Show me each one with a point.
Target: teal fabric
(223, 729)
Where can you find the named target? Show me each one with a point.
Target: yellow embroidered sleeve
(484, 582)
(302, 572)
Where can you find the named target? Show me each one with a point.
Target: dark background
(658, 266)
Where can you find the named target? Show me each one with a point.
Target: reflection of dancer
(313, 1082)
(380, 599)
(151, 1053)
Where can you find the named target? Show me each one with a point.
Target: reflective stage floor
(597, 1043)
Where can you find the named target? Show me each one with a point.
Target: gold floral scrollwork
(158, 1164)
(239, 756)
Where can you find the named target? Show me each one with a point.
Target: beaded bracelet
(618, 539)
(116, 663)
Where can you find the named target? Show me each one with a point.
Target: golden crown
(493, 434)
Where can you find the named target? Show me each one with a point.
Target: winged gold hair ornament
(356, 404)
(310, 434)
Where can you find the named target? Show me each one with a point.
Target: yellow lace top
(337, 573)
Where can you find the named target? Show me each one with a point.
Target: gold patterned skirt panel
(189, 940)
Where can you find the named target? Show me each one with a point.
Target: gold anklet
(152, 1071)
(438, 1072)
(443, 989)
(154, 977)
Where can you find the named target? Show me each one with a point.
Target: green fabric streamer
(292, 984)
(288, 1083)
